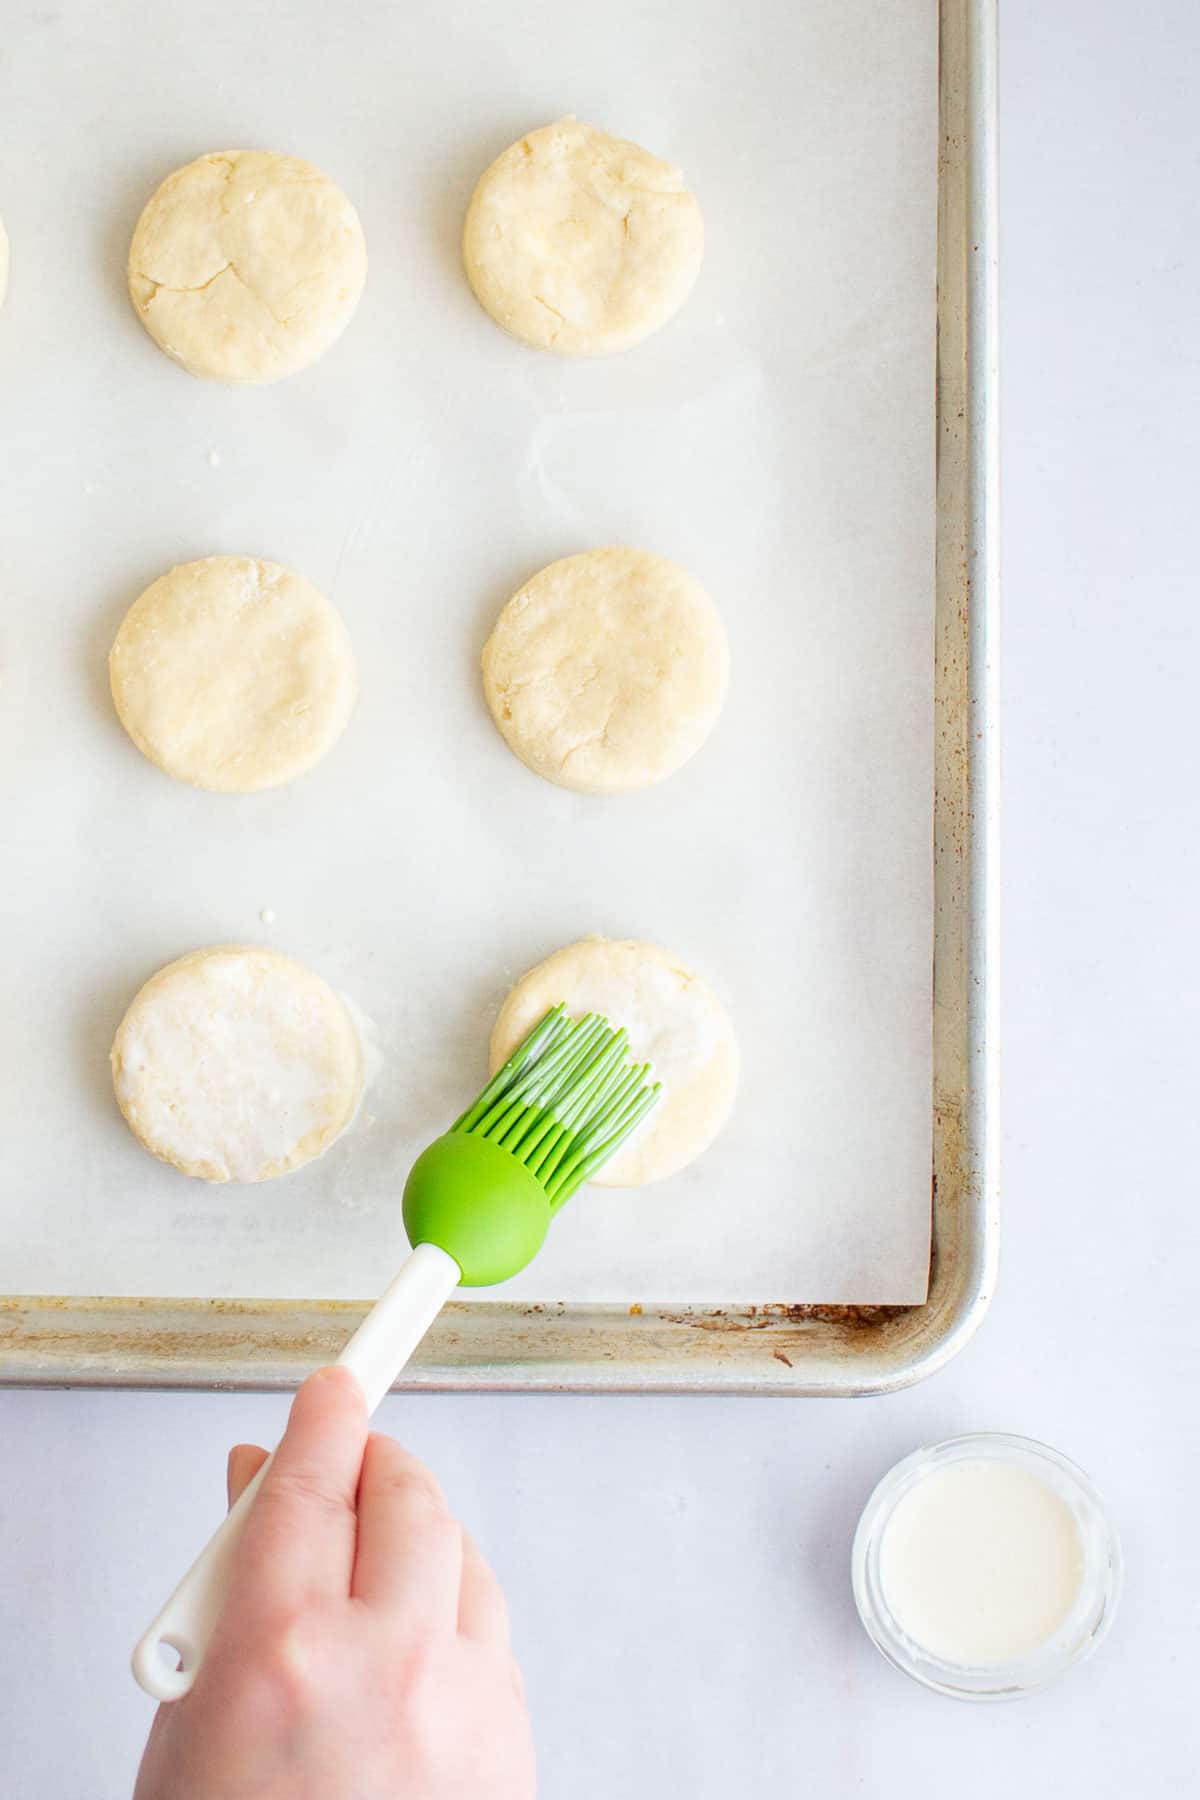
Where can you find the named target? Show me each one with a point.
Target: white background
(677, 1569)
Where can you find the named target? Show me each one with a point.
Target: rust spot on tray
(775, 1313)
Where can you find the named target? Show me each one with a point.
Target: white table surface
(678, 1569)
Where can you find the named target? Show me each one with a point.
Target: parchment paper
(776, 439)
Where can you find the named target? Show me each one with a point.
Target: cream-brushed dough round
(246, 265)
(237, 1064)
(232, 673)
(607, 670)
(581, 243)
(673, 1021)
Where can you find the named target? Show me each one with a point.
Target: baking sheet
(776, 440)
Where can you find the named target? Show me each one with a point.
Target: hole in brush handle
(185, 1624)
(165, 1664)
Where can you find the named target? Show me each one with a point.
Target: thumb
(245, 1460)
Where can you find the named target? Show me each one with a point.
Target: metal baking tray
(774, 1348)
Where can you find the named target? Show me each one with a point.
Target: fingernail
(339, 1375)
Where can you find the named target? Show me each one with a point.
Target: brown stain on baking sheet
(775, 1313)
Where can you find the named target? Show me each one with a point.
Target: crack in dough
(246, 266)
(160, 287)
(573, 225)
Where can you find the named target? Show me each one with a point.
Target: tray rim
(774, 1348)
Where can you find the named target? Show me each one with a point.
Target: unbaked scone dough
(581, 243)
(607, 671)
(246, 265)
(233, 673)
(237, 1064)
(672, 1020)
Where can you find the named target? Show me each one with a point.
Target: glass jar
(1079, 1633)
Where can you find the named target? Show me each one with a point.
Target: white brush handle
(377, 1352)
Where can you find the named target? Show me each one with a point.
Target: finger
(409, 1559)
(245, 1460)
(482, 1611)
(298, 1541)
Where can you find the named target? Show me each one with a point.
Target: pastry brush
(477, 1206)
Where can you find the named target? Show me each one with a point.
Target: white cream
(981, 1563)
(237, 1064)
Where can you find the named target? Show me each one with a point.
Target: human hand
(363, 1650)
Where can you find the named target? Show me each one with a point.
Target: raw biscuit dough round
(581, 243)
(233, 674)
(607, 670)
(673, 1020)
(237, 1064)
(246, 265)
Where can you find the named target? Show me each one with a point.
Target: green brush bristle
(564, 1102)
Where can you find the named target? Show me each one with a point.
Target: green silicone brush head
(563, 1103)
